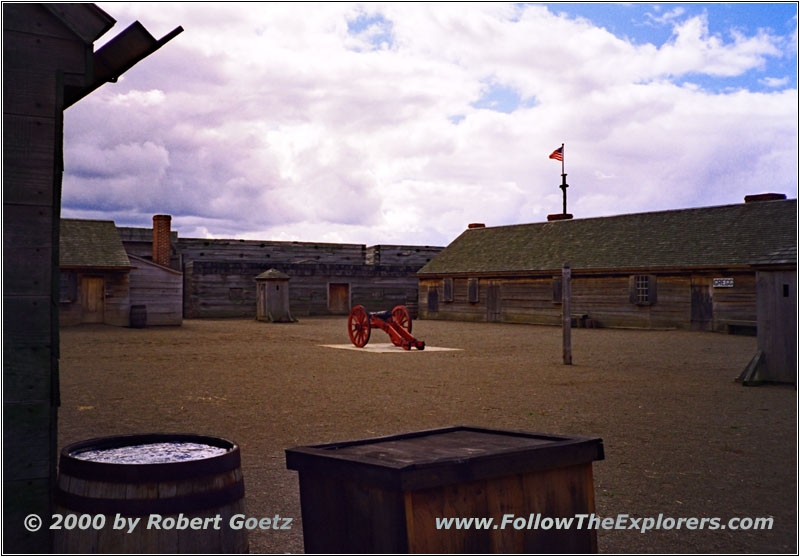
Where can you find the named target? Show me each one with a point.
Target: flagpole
(564, 185)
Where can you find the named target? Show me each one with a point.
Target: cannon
(395, 323)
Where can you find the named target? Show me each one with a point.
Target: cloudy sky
(402, 123)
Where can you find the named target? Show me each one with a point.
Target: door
(92, 299)
(702, 304)
(493, 303)
(339, 298)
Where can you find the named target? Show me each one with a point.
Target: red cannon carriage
(396, 323)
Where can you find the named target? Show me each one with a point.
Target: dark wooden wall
(38, 50)
(228, 289)
(605, 299)
(777, 324)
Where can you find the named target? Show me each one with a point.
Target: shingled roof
(707, 237)
(91, 243)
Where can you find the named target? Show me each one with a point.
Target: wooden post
(566, 320)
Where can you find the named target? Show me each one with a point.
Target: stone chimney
(161, 239)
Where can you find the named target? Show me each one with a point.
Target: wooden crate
(384, 495)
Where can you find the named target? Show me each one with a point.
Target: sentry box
(402, 494)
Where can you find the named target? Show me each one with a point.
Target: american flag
(558, 154)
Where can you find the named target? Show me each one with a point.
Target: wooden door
(92, 299)
(493, 303)
(339, 298)
(702, 305)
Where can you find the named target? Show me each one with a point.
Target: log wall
(116, 300)
(605, 299)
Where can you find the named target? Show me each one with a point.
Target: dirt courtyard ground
(681, 438)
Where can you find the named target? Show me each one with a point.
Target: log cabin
(95, 274)
(678, 269)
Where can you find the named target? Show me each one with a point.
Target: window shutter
(558, 290)
(448, 290)
(68, 286)
(632, 289)
(472, 287)
(651, 283)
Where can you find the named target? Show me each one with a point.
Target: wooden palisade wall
(228, 289)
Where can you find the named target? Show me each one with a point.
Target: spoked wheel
(401, 316)
(358, 326)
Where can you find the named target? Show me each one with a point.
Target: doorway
(493, 303)
(702, 304)
(92, 299)
(339, 298)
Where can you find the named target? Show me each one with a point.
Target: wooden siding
(604, 298)
(159, 289)
(228, 289)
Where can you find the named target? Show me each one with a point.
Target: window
(642, 290)
(473, 293)
(235, 293)
(68, 286)
(448, 290)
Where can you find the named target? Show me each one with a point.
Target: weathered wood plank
(26, 321)
(20, 384)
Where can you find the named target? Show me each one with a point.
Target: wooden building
(94, 281)
(776, 289)
(272, 302)
(686, 269)
(49, 63)
(159, 289)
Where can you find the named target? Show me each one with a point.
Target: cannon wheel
(401, 316)
(358, 326)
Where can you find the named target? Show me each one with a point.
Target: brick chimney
(161, 239)
(764, 197)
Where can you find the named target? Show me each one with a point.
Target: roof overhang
(117, 56)
(577, 271)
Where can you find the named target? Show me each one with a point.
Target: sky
(403, 123)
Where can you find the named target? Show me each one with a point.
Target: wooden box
(384, 495)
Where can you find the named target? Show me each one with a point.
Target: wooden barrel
(138, 317)
(182, 506)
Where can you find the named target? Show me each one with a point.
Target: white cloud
(333, 122)
(774, 82)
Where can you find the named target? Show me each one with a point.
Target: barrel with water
(164, 480)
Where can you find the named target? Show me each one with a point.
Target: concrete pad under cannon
(382, 348)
